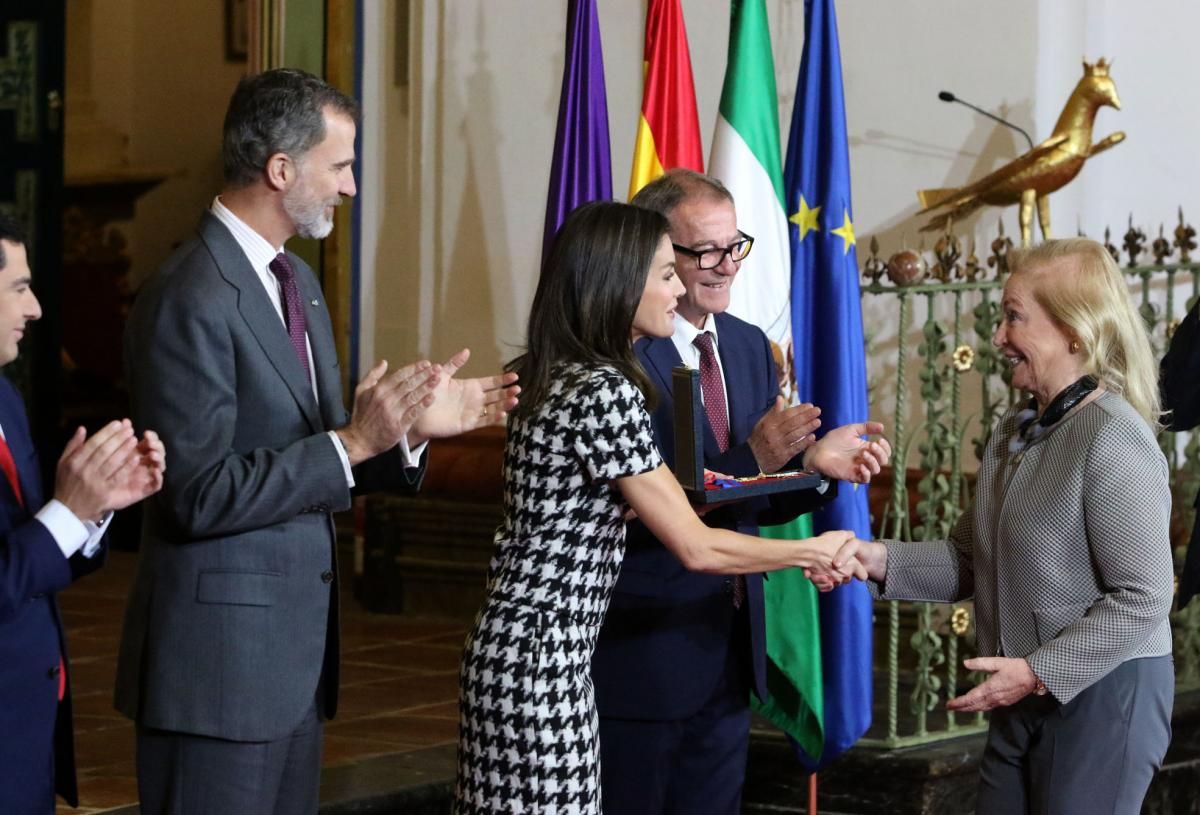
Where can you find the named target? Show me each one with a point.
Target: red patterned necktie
(293, 310)
(9, 466)
(713, 387)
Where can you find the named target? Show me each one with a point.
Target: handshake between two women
(843, 557)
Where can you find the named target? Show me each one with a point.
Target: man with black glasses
(680, 651)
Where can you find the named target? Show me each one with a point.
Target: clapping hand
(385, 407)
(782, 434)
(844, 454)
(460, 405)
(108, 471)
(143, 475)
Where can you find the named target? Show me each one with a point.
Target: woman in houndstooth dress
(579, 455)
(557, 557)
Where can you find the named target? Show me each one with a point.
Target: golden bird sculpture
(1029, 179)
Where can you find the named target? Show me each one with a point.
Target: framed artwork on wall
(237, 30)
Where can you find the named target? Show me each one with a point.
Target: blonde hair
(1080, 286)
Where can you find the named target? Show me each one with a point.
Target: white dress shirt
(685, 334)
(69, 532)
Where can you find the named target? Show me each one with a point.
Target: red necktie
(713, 387)
(10, 472)
(293, 311)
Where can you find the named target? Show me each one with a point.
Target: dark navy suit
(672, 640)
(1179, 376)
(34, 725)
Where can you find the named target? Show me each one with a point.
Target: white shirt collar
(257, 249)
(687, 332)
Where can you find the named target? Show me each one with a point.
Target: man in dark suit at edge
(229, 655)
(1179, 384)
(680, 651)
(44, 547)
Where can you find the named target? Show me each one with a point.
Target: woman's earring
(1074, 346)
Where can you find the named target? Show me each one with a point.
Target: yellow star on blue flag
(845, 232)
(806, 219)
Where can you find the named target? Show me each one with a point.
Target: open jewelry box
(689, 453)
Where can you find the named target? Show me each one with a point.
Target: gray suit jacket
(232, 620)
(1066, 549)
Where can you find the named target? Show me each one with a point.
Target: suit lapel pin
(314, 301)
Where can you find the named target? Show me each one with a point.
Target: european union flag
(830, 360)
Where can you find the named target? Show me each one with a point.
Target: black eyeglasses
(712, 258)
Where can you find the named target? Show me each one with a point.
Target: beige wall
(177, 116)
(159, 75)
(455, 166)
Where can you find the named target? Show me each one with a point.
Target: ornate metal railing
(958, 390)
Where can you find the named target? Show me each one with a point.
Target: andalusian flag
(668, 132)
(746, 157)
(582, 167)
(830, 358)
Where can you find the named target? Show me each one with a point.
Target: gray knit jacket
(1066, 549)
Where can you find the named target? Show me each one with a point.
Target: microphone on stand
(946, 96)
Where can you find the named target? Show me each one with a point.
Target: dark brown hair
(11, 231)
(277, 111)
(591, 284)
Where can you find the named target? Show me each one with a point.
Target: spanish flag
(668, 132)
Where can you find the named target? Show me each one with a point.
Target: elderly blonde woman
(1065, 550)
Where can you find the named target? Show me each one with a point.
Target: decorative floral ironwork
(874, 268)
(927, 644)
(960, 621)
(1185, 239)
(964, 358)
(947, 251)
(934, 507)
(1108, 244)
(1134, 242)
(971, 270)
(1161, 248)
(1001, 246)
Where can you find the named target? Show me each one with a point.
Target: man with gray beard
(229, 655)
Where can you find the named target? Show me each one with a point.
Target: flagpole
(812, 794)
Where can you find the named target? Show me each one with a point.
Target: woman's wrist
(873, 556)
(1039, 687)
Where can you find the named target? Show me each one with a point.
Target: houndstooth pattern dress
(528, 730)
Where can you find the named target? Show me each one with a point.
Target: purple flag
(582, 168)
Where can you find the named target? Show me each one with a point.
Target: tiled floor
(399, 686)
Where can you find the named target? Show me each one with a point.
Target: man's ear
(280, 171)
